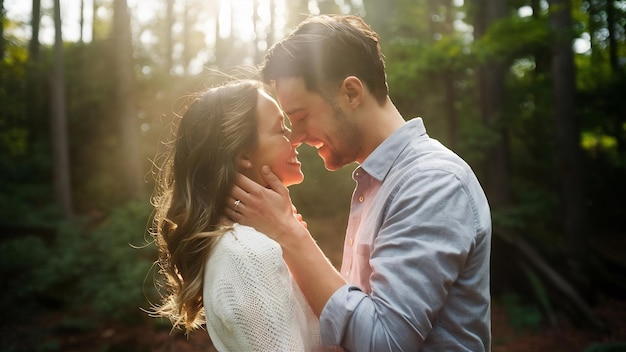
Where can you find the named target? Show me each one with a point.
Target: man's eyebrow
(293, 111)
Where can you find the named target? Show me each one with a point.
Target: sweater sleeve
(251, 296)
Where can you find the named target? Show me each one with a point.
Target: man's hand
(299, 217)
(269, 210)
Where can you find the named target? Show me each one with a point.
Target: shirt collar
(379, 162)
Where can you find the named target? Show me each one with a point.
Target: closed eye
(296, 115)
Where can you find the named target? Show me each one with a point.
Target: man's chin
(331, 164)
(327, 159)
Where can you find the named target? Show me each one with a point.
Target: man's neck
(378, 123)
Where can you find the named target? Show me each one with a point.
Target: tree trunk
(329, 6)
(219, 51)
(2, 45)
(82, 21)
(58, 128)
(610, 25)
(492, 76)
(34, 45)
(297, 9)
(257, 37)
(94, 20)
(271, 32)
(169, 36)
(542, 58)
(34, 87)
(186, 55)
(592, 10)
(567, 127)
(448, 79)
(126, 112)
(378, 15)
(450, 109)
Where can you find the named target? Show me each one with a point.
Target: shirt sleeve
(425, 237)
(253, 300)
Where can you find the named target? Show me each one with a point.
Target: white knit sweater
(251, 301)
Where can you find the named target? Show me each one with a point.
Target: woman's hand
(269, 210)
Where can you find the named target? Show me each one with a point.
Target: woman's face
(273, 148)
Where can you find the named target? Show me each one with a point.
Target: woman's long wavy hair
(193, 183)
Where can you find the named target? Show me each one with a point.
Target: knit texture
(251, 301)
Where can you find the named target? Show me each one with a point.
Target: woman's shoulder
(242, 256)
(245, 241)
(242, 235)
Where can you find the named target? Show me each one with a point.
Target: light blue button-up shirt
(416, 253)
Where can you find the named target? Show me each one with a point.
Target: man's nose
(296, 135)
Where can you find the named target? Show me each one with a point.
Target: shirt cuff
(337, 313)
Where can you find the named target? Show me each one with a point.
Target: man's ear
(353, 89)
(243, 161)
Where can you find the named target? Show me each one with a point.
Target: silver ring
(237, 202)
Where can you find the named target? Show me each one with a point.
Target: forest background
(529, 92)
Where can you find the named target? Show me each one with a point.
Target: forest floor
(146, 337)
(56, 331)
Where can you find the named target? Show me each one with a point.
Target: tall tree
(58, 128)
(542, 57)
(82, 21)
(257, 54)
(186, 54)
(611, 23)
(449, 79)
(94, 19)
(379, 15)
(35, 20)
(297, 13)
(2, 45)
(34, 88)
(124, 98)
(594, 24)
(491, 78)
(219, 44)
(328, 6)
(169, 36)
(272, 25)
(567, 125)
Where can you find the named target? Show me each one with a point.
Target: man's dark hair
(324, 50)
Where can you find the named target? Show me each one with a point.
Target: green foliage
(617, 346)
(18, 259)
(25, 192)
(522, 316)
(13, 134)
(98, 268)
(120, 285)
(540, 291)
(48, 346)
(531, 208)
(108, 263)
(415, 58)
(511, 38)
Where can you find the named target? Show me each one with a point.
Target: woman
(225, 274)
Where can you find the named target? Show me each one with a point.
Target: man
(415, 270)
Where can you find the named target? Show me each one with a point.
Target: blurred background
(530, 92)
